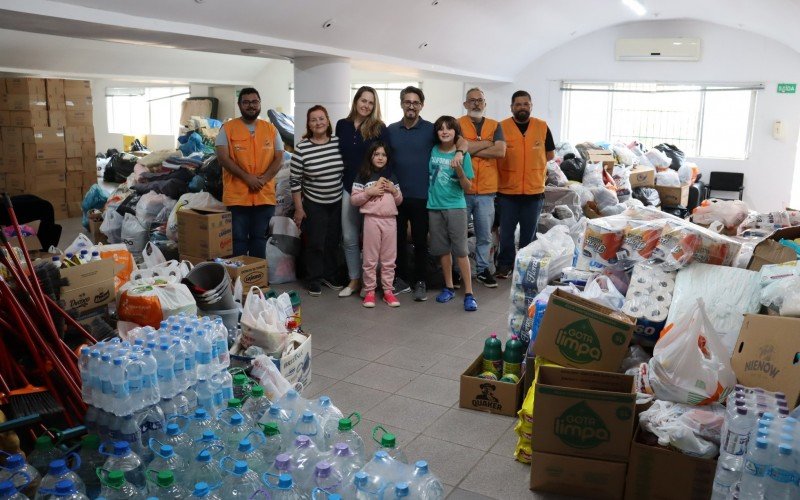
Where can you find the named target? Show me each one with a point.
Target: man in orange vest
(485, 145)
(250, 152)
(521, 177)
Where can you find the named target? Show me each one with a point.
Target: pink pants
(380, 246)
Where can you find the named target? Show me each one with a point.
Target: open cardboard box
(581, 477)
(492, 396)
(673, 196)
(769, 251)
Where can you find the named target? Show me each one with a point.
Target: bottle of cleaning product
(115, 487)
(492, 357)
(388, 443)
(162, 485)
(513, 357)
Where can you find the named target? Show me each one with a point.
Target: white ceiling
(474, 39)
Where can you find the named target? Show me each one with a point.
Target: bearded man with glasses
(250, 152)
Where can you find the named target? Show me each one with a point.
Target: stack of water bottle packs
(167, 420)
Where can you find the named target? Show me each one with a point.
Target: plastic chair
(725, 181)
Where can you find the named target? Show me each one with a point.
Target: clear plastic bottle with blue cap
(365, 488)
(179, 364)
(106, 399)
(345, 433)
(234, 427)
(86, 378)
(282, 487)
(63, 490)
(201, 421)
(131, 432)
(248, 450)
(206, 467)
(190, 360)
(180, 441)
(383, 471)
(273, 441)
(220, 336)
(241, 481)
(165, 369)
(282, 419)
(10, 491)
(151, 422)
(151, 393)
(205, 396)
(134, 370)
(167, 459)
(114, 485)
(162, 484)
(401, 490)
(121, 457)
(293, 404)
(781, 481)
(16, 469)
(346, 462)
(44, 452)
(225, 381)
(60, 471)
(203, 490)
(208, 439)
(203, 353)
(308, 425)
(320, 494)
(424, 484)
(121, 405)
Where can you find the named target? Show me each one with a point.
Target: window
(388, 96)
(703, 120)
(145, 110)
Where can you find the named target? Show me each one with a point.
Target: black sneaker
(420, 291)
(456, 281)
(486, 278)
(314, 289)
(401, 286)
(503, 272)
(330, 284)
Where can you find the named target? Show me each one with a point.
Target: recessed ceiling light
(635, 6)
(435, 2)
(423, 45)
(327, 24)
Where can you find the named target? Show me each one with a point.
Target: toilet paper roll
(656, 314)
(663, 299)
(664, 285)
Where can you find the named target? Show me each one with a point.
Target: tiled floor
(400, 368)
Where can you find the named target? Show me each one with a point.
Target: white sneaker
(346, 292)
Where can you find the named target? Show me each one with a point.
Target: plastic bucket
(213, 278)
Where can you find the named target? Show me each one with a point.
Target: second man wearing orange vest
(250, 152)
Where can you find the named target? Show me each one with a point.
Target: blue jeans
(522, 209)
(481, 207)
(250, 225)
(351, 234)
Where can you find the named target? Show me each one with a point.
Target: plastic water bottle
(388, 443)
(424, 484)
(44, 452)
(205, 396)
(281, 418)
(86, 380)
(493, 356)
(208, 439)
(282, 488)
(59, 471)
(326, 477)
(320, 494)
(733, 445)
(151, 423)
(63, 490)
(179, 365)
(240, 385)
(241, 481)
(281, 465)
(129, 431)
(167, 459)
(10, 491)
(345, 434)
(25, 477)
(151, 392)
(106, 393)
(401, 490)
(162, 485)
(134, 373)
(121, 457)
(202, 490)
(206, 469)
(115, 487)
(216, 388)
(292, 403)
(234, 427)
(273, 445)
(165, 371)
(781, 478)
(91, 460)
(308, 425)
(180, 441)
(221, 341)
(226, 381)
(119, 386)
(170, 407)
(248, 452)
(257, 404)
(200, 422)
(346, 462)
(382, 471)
(754, 476)
(304, 456)
(190, 360)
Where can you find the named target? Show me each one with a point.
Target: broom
(27, 400)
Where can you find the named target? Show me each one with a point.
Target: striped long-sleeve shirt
(316, 171)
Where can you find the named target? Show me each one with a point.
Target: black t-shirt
(549, 144)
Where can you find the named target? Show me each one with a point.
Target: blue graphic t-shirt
(444, 190)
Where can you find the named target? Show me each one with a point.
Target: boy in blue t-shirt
(447, 209)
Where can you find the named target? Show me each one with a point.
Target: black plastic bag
(572, 166)
(677, 156)
(648, 196)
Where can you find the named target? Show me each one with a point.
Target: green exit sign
(787, 88)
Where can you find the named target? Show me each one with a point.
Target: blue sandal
(446, 295)
(470, 304)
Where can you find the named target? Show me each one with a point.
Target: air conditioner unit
(657, 49)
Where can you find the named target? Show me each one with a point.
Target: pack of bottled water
(759, 448)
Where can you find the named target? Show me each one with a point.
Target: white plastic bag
(685, 173)
(112, 225)
(602, 291)
(269, 377)
(263, 323)
(624, 155)
(691, 429)
(152, 256)
(658, 159)
(148, 301)
(281, 265)
(783, 295)
(150, 205)
(690, 365)
(593, 175)
(81, 242)
(622, 178)
(134, 234)
(668, 177)
(200, 200)
(170, 268)
(730, 212)
(285, 235)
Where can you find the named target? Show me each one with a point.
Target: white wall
(728, 56)
(272, 84)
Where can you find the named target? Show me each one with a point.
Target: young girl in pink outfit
(378, 198)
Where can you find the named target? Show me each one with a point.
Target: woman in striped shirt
(316, 181)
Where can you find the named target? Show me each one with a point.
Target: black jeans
(323, 230)
(414, 211)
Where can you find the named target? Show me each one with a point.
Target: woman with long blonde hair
(356, 133)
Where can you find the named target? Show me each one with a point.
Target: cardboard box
(582, 477)
(54, 88)
(581, 333)
(587, 413)
(643, 176)
(491, 396)
(88, 149)
(45, 182)
(659, 473)
(205, 233)
(60, 211)
(89, 164)
(73, 164)
(75, 150)
(12, 136)
(296, 367)
(57, 118)
(79, 102)
(5, 118)
(45, 151)
(769, 251)
(26, 86)
(32, 242)
(253, 271)
(766, 355)
(16, 102)
(88, 134)
(42, 135)
(91, 285)
(28, 118)
(54, 196)
(77, 88)
(46, 166)
(13, 160)
(74, 209)
(603, 156)
(78, 116)
(75, 194)
(673, 196)
(89, 178)
(15, 182)
(74, 179)
(74, 133)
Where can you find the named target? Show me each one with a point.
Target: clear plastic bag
(134, 234)
(112, 225)
(668, 177)
(783, 296)
(730, 212)
(691, 429)
(593, 175)
(263, 323)
(622, 178)
(601, 290)
(555, 177)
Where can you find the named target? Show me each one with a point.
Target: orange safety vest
(485, 181)
(253, 153)
(524, 169)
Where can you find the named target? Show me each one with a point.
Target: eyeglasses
(254, 103)
(412, 104)
(476, 101)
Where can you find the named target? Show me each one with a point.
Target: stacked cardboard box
(47, 141)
